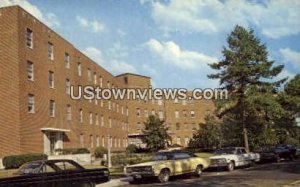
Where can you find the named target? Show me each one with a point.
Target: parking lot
(261, 175)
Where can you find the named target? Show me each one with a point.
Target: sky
(172, 41)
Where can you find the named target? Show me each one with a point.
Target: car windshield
(225, 151)
(33, 167)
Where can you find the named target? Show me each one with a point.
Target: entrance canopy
(50, 129)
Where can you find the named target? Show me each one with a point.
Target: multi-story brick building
(37, 68)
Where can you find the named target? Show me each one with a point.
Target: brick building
(37, 68)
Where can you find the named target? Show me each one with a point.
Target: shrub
(15, 161)
(72, 151)
(100, 151)
(131, 148)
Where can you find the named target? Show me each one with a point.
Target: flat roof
(123, 74)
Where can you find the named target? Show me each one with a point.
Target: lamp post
(108, 151)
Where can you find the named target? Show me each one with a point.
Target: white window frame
(31, 103)
(30, 71)
(67, 60)
(51, 108)
(69, 112)
(50, 51)
(29, 38)
(51, 79)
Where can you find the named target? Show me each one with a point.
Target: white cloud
(292, 57)
(276, 18)
(49, 18)
(94, 25)
(115, 66)
(171, 53)
(149, 69)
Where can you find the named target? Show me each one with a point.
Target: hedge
(100, 151)
(15, 161)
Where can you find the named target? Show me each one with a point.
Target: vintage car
(166, 164)
(286, 151)
(231, 157)
(55, 173)
(268, 154)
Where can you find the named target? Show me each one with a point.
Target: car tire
(198, 171)
(230, 166)
(134, 180)
(164, 176)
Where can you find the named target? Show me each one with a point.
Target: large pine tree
(246, 72)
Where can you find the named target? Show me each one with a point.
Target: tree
(208, 136)
(155, 134)
(246, 73)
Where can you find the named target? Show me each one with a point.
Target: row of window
(113, 141)
(161, 113)
(67, 61)
(178, 126)
(111, 122)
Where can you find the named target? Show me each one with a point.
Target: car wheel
(134, 180)
(164, 176)
(230, 166)
(198, 171)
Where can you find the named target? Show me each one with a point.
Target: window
(119, 142)
(108, 84)
(178, 140)
(100, 81)
(103, 141)
(30, 103)
(101, 103)
(29, 38)
(139, 126)
(177, 126)
(176, 114)
(186, 141)
(30, 74)
(69, 113)
(192, 114)
(67, 60)
(110, 122)
(109, 105)
(138, 112)
(97, 141)
(50, 51)
(79, 69)
(153, 112)
(52, 108)
(51, 79)
(92, 141)
(159, 102)
(117, 107)
(96, 101)
(146, 113)
(161, 114)
(81, 140)
(175, 100)
(126, 80)
(95, 78)
(102, 120)
(184, 113)
(89, 74)
(97, 119)
(80, 116)
(127, 111)
(68, 86)
(183, 102)
(91, 118)
(194, 126)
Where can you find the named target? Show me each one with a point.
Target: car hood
(150, 163)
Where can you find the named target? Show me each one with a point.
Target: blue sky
(172, 40)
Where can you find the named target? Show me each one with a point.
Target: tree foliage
(247, 74)
(208, 136)
(155, 134)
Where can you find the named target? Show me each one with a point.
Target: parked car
(166, 164)
(268, 154)
(231, 157)
(55, 173)
(286, 151)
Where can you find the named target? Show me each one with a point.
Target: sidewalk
(115, 182)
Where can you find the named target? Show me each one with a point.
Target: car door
(240, 157)
(181, 162)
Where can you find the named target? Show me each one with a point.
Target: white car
(232, 157)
